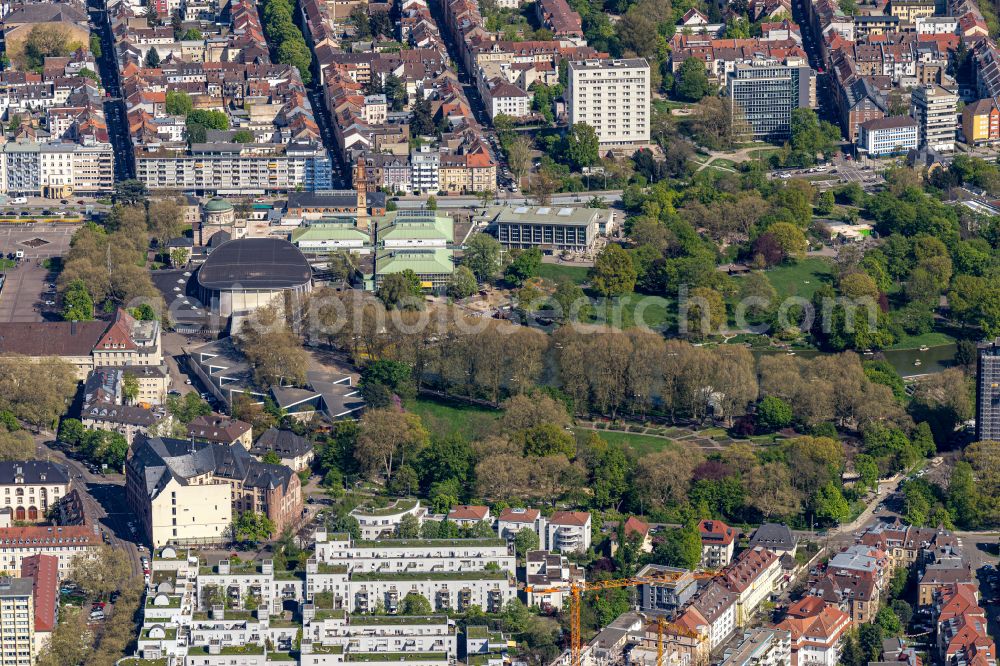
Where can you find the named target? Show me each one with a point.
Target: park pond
(908, 362)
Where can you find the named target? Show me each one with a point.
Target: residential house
(816, 628)
(568, 532)
(467, 515)
(31, 487)
(548, 577)
(718, 541)
(776, 537)
(294, 450)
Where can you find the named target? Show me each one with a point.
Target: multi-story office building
(612, 96)
(988, 392)
(764, 93)
(935, 110)
(17, 621)
(888, 136)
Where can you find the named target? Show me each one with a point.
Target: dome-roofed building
(218, 215)
(245, 274)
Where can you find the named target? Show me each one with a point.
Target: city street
(103, 499)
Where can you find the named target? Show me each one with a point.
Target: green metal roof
(416, 225)
(329, 231)
(218, 206)
(423, 261)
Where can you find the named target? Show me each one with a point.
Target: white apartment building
(382, 522)
(762, 647)
(513, 520)
(425, 164)
(888, 136)
(568, 532)
(56, 169)
(449, 573)
(412, 555)
(226, 168)
(613, 97)
(936, 111)
(63, 542)
(17, 621)
(936, 25)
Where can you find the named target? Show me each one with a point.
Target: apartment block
(17, 621)
(761, 647)
(63, 542)
(981, 122)
(764, 93)
(568, 532)
(889, 136)
(936, 111)
(613, 97)
(988, 392)
(718, 541)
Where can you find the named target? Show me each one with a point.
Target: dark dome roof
(255, 263)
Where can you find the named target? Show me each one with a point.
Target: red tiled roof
(41, 535)
(44, 571)
(634, 525)
(577, 518)
(716, 532)
(468, 512)
(519, 515)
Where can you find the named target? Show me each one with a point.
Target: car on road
(97, 615)
(50, 302)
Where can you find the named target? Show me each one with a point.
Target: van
(18, 200)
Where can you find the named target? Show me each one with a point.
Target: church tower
(361, 187)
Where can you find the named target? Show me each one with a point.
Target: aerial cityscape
(499, 332)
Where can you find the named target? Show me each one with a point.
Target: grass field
(554, 272)
(451, 418)
(635, 310)
(932, 339)
(641, 444)
(802, 278)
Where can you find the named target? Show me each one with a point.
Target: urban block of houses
(185, 491)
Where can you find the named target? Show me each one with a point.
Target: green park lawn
(802, 278)
(932, 339)
(640, 444)
(451, 418)
(555, 272)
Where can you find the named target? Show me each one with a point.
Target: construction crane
(576, 590)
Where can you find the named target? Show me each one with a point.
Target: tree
(409, 527)
(362, 25)
(71, 431)
(706, 312)
(888, 621)
(178, 103)
(186, 409)
(482, 256)
(431, 203)
(546, 439)
(867, 470)
(271, 458)
(681, 548)
(101, 572)
(691, 81)
(824, 203)
(211, 119)
(77, 303)
(401, 291)
(773, 413)
(130, 192)
(36, 392)
(614, 273)
(16, 445)
(130, 387)
(272, 349)
(462, 283)
(422, 123)
(243, 136)
(43, 41)
(573, 304)
(581, 147)
(386, 439)
(544, 183)
(525, 540)
(252, 527)
(152, 57)
(95, 45)
(415, 603)
(524, 266)
(164, 219)
(829, 504)
(518, 156)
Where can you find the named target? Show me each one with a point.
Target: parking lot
(24, 295)
(25, 290)
(37, 241)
